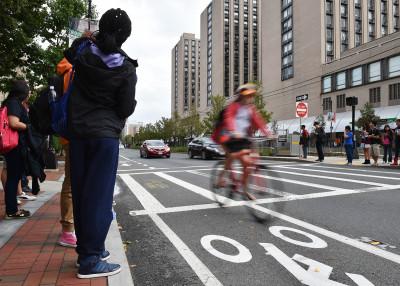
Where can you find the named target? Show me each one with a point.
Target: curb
(115, 246)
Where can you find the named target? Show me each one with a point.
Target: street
(332, 225)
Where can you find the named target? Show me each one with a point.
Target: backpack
(59, 106)
(8, 137)
(40, 112)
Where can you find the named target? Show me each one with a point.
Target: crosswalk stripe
(353, 169)
(339, 173)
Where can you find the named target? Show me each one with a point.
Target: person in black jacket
(18, 120)
(103, 96)
(320, 134)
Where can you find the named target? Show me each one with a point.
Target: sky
(156, 28)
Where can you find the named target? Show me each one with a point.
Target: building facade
(230, 46)
(330, 50)
(132, 128)
(185, 75)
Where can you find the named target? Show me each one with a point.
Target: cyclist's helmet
(248, 89)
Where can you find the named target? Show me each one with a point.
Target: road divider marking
(340, 173)
(353, 169)
(161, 169)
(149, 202)
(330, 234)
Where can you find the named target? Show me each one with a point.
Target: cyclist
(237, 123)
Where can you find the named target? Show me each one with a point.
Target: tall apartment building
(330, 50)
(230, 31)
(185, 79)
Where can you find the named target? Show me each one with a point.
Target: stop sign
(301, 110)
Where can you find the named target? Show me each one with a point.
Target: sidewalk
(30, 255)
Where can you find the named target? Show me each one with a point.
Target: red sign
(301, 109)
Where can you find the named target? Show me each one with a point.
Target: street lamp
(353, 102)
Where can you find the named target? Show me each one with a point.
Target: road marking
(339, 173)
(354, 169)
(151, 168)
(201, 270)
(271, 200)
(163, 168)
(269, 190)
(126, 158)
(148, 201)
(243, 256)
(195, 189)
(330, 178)
(315, 242)
(335, 236)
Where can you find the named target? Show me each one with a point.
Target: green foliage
(33, 37)
(367, 116)
(179, 149)
(218, 103)
(260, 104)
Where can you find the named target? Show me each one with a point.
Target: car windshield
(207, 140)
(155, 143)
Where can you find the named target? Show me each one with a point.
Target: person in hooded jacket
(103, 96)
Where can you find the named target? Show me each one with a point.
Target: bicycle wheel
(263, 193)
(221, 183)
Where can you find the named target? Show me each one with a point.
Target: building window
(394, 91)
(384, 21)
(327, 104)
(356, 76)
(255, 38)
(344, 25)
(341, 101)
(227, 53)
(329, 13)
(395, 15)
(371, 20)
(374, 72)
(341, 80)
(287, 39)
(375, 95)
(327, 84)
(209, 55)
(358, 23)
(394, 66)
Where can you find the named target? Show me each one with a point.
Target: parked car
(205, 148)
(154, 148)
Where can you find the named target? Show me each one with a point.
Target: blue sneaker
(104, 256)
(101, 269)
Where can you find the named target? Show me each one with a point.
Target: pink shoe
(67, 239)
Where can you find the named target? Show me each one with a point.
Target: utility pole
(353, 102)
(89, 12)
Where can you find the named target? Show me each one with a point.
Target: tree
(367, 116)
(218, 103)
(33, 37)
(260, 104)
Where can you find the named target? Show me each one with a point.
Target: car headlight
(167, 149)
(211, 149)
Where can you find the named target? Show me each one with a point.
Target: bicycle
(226, 184)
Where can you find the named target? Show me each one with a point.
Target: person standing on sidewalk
(102, 99)
(366, 145)
(18, 120)
(387, 141)
(375, 137)
(320, 134)
(396, 143)
(304, 139)
(67, 236)
(348, 144)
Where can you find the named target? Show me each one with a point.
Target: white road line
(270, 200)
(195, 189)
(339, 173)
(195, 263)
(167, 168)
(269, 190)
(151, 168)
(126, 158)
(148, 201)
(330, 178)
(353, 169)
(335, 236)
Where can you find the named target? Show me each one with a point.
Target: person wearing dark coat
(102, 98)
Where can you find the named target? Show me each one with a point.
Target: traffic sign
(301, 109)
(302, 97)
